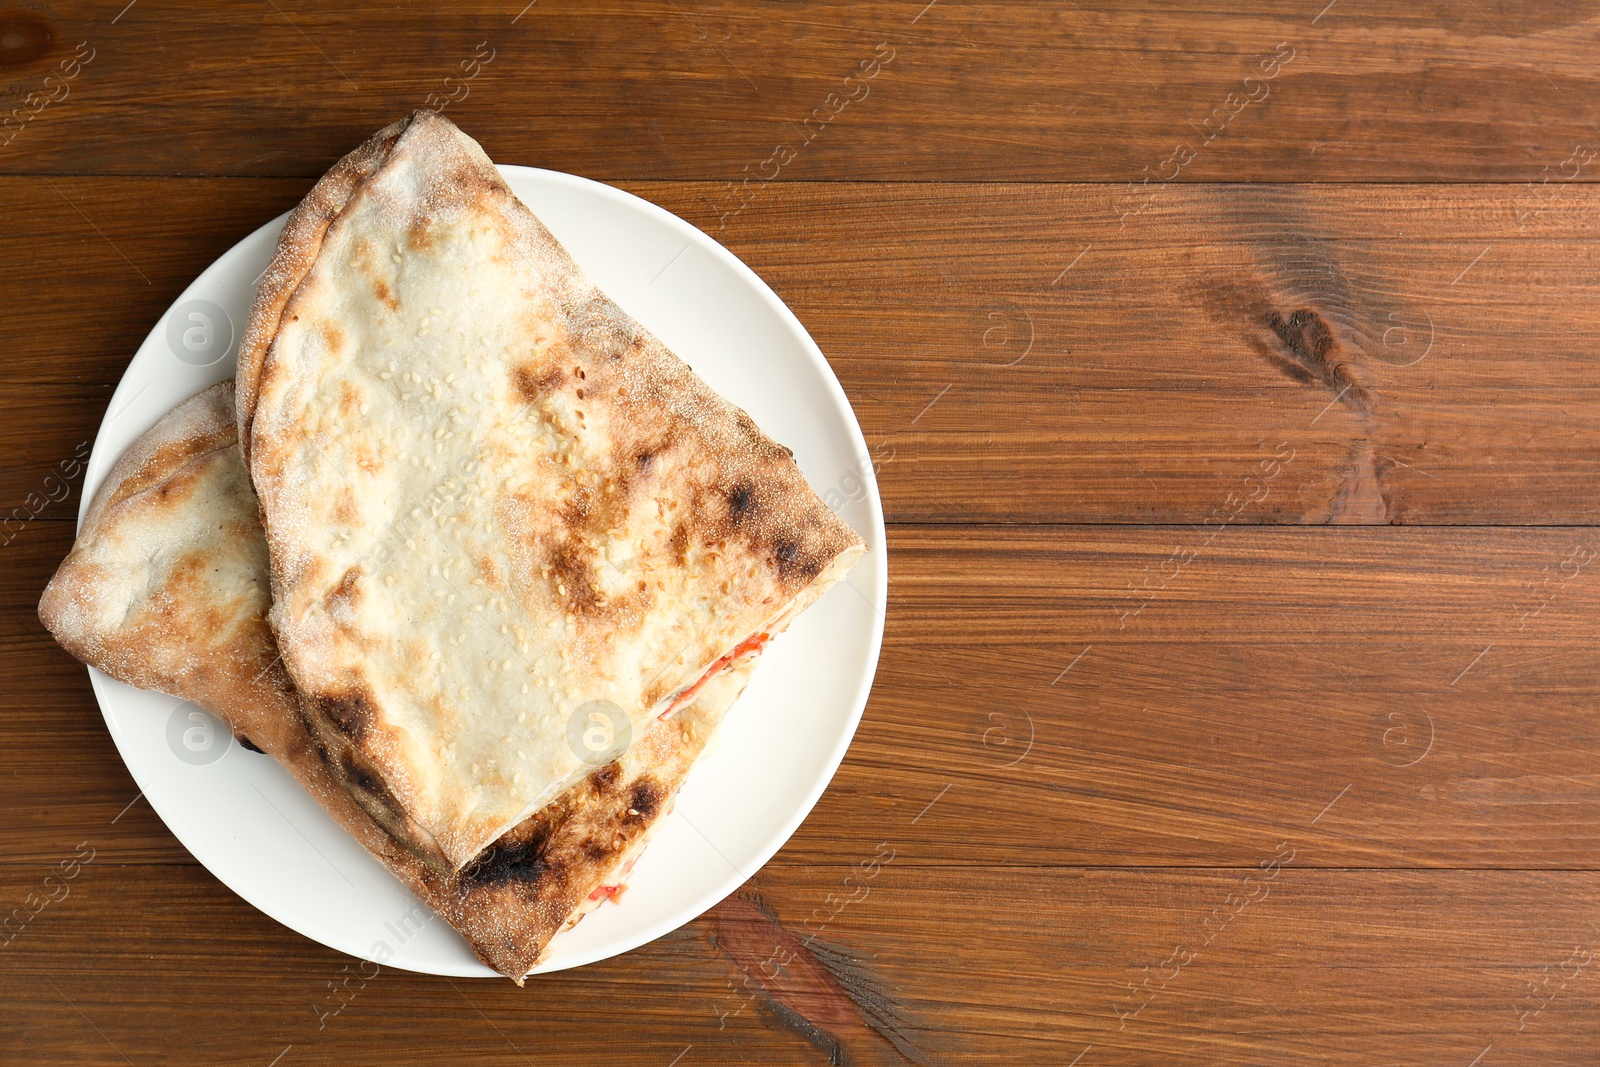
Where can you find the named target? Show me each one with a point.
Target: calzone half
(166, 589)
(493, 501)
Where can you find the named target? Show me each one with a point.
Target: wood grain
(1437, 371)
(1277, 965)
(990, 90)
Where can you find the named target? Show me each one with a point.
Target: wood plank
(1147, 775)
(1104, 91)
(1431, 688)
(1166, 367)
(1009, 965)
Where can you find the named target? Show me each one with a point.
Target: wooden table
(1231, 380)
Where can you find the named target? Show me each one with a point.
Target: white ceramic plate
(249, 822)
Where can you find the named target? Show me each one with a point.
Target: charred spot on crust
(516, 857)
(532, 384)
(364, 787)
(646, 797)
(795, 562)
(604, 780)
(362, 777)
(385, 295)
(248, 744)
(741, 503)
(369, 790)
(645, 456)
(349, 713)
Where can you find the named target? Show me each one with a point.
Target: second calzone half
(503, 519)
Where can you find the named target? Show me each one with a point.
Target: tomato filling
(614, 893)
(749, 646)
